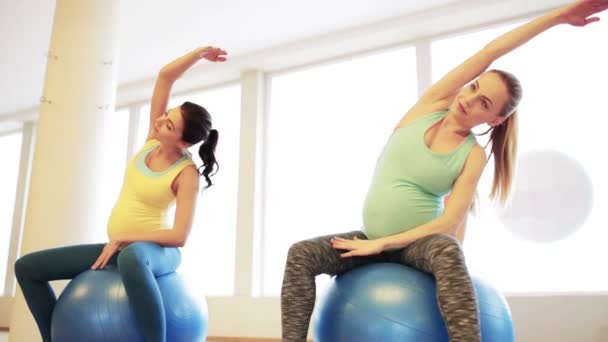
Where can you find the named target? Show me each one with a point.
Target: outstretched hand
(580, 12)
(356, 246)
(213, 54)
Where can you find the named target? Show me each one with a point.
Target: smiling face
(482, 101)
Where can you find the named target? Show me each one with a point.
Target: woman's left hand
(106, 254)
(357, 247)
(579, 12)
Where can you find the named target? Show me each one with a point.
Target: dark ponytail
(207, 153)
(197, 128)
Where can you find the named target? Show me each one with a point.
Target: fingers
(207, 49)
(215, 50)
(105, 261)
(97, 262)
(589, 7)
(336, 242)
(598, 3)
(102, 260)
(214, 54)
(348, 254)
(599, 6)
(591, 20)
(340, 243)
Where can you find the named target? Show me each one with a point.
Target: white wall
(560, 318)
(538, 318)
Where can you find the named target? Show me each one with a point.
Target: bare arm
(460, 232)
(170, 73)
(454, 215)
(187, 193)
(456, 210)
(576, 14)
(440, 94)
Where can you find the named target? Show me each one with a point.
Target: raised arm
(442, 92)
(170, 73)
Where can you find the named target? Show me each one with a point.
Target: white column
(79, 92)
(424, 65)
(252, 107)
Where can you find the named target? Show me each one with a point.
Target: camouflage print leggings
(440, 255)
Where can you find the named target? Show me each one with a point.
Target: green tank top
(410, 180)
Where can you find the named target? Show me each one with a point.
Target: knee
(300, 251)
(132, 256)
(446, 246)
(24, 266)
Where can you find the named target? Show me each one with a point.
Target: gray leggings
(440, 255)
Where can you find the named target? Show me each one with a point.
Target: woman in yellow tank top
(142, 244)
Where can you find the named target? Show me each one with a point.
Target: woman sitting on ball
(431, 153)
(140, 243)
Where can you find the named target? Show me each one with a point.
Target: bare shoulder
(188, 178)
(477, 158)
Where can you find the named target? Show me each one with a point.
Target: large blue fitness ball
(387, 302)
(94, 308)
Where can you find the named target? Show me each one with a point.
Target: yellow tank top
(146, 195)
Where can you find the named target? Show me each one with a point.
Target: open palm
(213, 54)
(579, 13)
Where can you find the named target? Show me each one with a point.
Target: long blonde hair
(504, 140)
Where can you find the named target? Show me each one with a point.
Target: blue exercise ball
(94, 307)
(387, 302)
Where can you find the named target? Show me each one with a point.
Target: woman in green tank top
(437, 127)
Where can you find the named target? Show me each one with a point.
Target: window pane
(114, 154)
(209, 256)
(551, 237)
(325, 128)
(10, 145)
(142, 127)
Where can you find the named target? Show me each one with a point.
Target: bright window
(325, 128)
(10, 144)
(113, 164)
(208, 258)
(551, 237)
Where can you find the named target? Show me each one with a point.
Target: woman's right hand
(212, 54)
(106, 254)
(578, 13)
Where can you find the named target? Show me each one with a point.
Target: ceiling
(152, 32)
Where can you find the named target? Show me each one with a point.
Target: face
(481, 101)
(169, 126)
